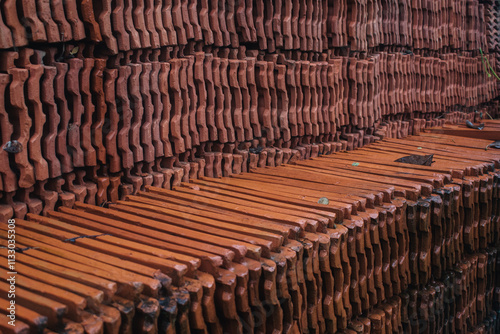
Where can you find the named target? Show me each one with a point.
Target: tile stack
(492, 15)
(95, 130)
(363, 244)
(489, 130)
(313, 25)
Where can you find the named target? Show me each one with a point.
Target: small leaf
(13, 146)
(75, 50)
(422, 160)
(494, 145)
(472, 126)
(419, 148)
(355, 164)
(324, 201)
